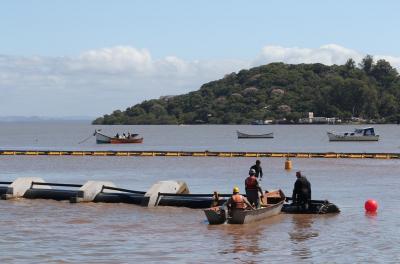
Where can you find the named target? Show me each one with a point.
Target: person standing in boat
(302, 191)
(258, 169)
(237, 201)
(253, 188)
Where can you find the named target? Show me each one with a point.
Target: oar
(85, 139)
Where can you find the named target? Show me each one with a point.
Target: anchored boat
(104, 139)
(359, 134)
(244, 135)
(272, 205)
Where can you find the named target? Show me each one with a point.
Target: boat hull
(244, 135)
(339, 137)
(273, 205)
(215, 215)
(104, 139)
(249, 216)
(126, 140)
(316, 207)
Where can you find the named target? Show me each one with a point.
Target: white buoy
(91, 189)
(165, 187)
(18, 188)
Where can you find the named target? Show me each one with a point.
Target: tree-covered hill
(276, 91)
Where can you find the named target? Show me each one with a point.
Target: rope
(86, 139)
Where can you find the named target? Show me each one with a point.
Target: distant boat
(359, 134)
(104, 139)
(244, 135)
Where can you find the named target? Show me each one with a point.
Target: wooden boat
(104, 139)
(316, 207)
(271, 205)
(244, 135)
(359, 134)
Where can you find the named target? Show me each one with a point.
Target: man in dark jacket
(302, 191)
(258, 169)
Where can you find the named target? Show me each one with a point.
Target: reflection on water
(243, 238)
(249, 242)
(301, 232)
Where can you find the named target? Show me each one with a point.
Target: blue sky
(191, 41)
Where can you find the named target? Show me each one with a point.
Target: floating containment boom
(221, 154)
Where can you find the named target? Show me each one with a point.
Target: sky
(87, 58)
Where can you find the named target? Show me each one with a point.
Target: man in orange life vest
(253, 188)
(237, 201)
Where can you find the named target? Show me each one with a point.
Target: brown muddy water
(44, 231)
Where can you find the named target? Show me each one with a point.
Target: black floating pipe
(190, 202)
(121, 190)
(3, 190)
(52, 194)
(119, 198)
(5, 183)
(56, 184)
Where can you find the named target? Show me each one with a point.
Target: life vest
(251, 183)
(238, 201)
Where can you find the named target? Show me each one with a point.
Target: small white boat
(359, 134)
(244, 135)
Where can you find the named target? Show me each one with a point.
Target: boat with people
(359, 134)
(104, 139)
(271, 205)
(244, 135)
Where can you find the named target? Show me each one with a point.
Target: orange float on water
(371, 205)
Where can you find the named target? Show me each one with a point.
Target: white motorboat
(359, 134)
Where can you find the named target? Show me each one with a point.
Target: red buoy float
(371, 206)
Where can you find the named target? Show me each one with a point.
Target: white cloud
(327, 54)
(99, 81)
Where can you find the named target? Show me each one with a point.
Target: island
(279, 93)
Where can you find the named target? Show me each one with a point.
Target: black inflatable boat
(316, 207)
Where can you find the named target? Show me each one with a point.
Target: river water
(42, 231)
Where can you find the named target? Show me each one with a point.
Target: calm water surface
(41, 231)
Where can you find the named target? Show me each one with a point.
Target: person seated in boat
(302, 191)
(129, 135)
(117, 135)
(253, 188)
(123, 136)
(237, 201)
(258, 169)
(216, 199)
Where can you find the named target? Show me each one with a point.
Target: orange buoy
(288, 164)
(371, 206)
